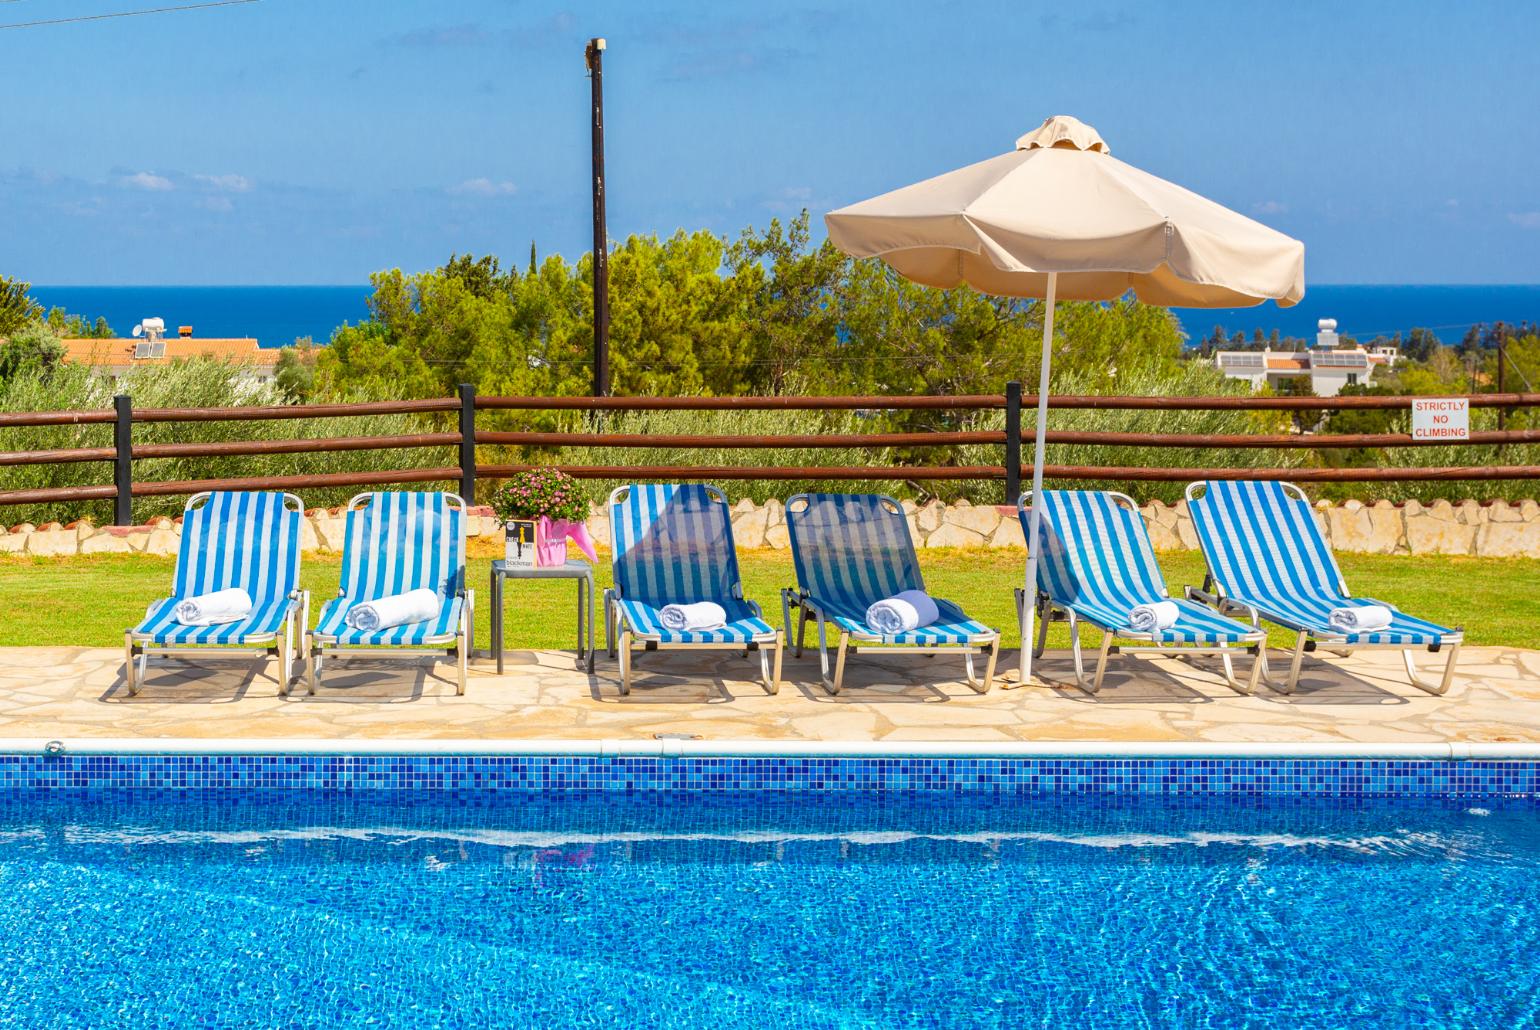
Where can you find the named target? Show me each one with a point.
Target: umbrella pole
(1034, 517)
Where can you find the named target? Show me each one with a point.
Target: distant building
(115, 357)
(1329, 366)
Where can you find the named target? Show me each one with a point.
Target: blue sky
(314, 141)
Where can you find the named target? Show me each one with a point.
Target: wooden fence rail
(124, 451)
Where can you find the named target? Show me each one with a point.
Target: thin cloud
(225, 183)
(1525, 219)
(1270, 207)
(148, 181)
(483, 187)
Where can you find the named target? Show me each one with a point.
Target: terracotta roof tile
(240, 350)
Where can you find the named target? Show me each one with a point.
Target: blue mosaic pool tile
(1177, 776)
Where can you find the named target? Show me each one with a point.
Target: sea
(278, 315)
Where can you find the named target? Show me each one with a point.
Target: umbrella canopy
(1061, 217)
(1060, 202)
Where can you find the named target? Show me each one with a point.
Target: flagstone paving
(64, 693)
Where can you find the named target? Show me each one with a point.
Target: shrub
(721, 423)
(200, 383)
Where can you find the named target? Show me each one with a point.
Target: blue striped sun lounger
(394, 543)
(1267, 559)
(229, 540)
(851, 551)
(1096, 565)
(673, 544)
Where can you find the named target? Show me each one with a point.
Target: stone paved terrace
(73, 693)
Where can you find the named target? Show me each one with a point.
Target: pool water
(764, 911)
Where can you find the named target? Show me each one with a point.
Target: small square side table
(578, 570)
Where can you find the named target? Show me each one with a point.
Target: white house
(1329, 366)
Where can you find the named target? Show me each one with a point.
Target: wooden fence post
(468, 442)
(123, 461)
(1012, 442)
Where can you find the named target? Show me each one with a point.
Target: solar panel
(1340, 359)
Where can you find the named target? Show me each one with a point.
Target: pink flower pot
(551, 542)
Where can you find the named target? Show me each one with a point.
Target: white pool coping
(671, 748)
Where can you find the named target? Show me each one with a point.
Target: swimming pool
(848, 909)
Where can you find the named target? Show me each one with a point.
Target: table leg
(497, 620)
(589, 580)
(580, 618)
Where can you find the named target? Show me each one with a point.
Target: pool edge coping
(769, 749)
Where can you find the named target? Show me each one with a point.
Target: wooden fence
(124, 452)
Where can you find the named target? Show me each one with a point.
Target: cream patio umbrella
(1061, 218)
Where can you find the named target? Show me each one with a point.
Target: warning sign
(1440, 418)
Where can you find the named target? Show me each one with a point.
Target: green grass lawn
(90, 601)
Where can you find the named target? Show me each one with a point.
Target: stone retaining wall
(1497, 530)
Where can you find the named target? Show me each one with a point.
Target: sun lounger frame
(1048, 609)
(620, 636)
(456, 646)
(832, 670)
(284, 644)
(1309, 639)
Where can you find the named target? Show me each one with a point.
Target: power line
(121, 14)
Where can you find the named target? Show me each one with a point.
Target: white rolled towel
(693, 618)
(418, 605)
(1152, 618)
(902, 612)
(229, 605)
(1360, 618)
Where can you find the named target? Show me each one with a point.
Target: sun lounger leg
(786, 612)
(609, 622)
(983, 686)
(839, 662)
(1227, 659)
(772, 666)
(1250, 686)
(823, 652)
(1101, 661)
(1090, 686)
(286, 656)
(1442, 686)
(463, 653)
(312, 665)
(1295, 660)
(625, 662)
(128, 663)
(470, 624)
(1258, 667)
(1042, 631)
(801, 629)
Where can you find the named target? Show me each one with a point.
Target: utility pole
(594, 57)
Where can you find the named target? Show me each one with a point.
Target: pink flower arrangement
(543, 491)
